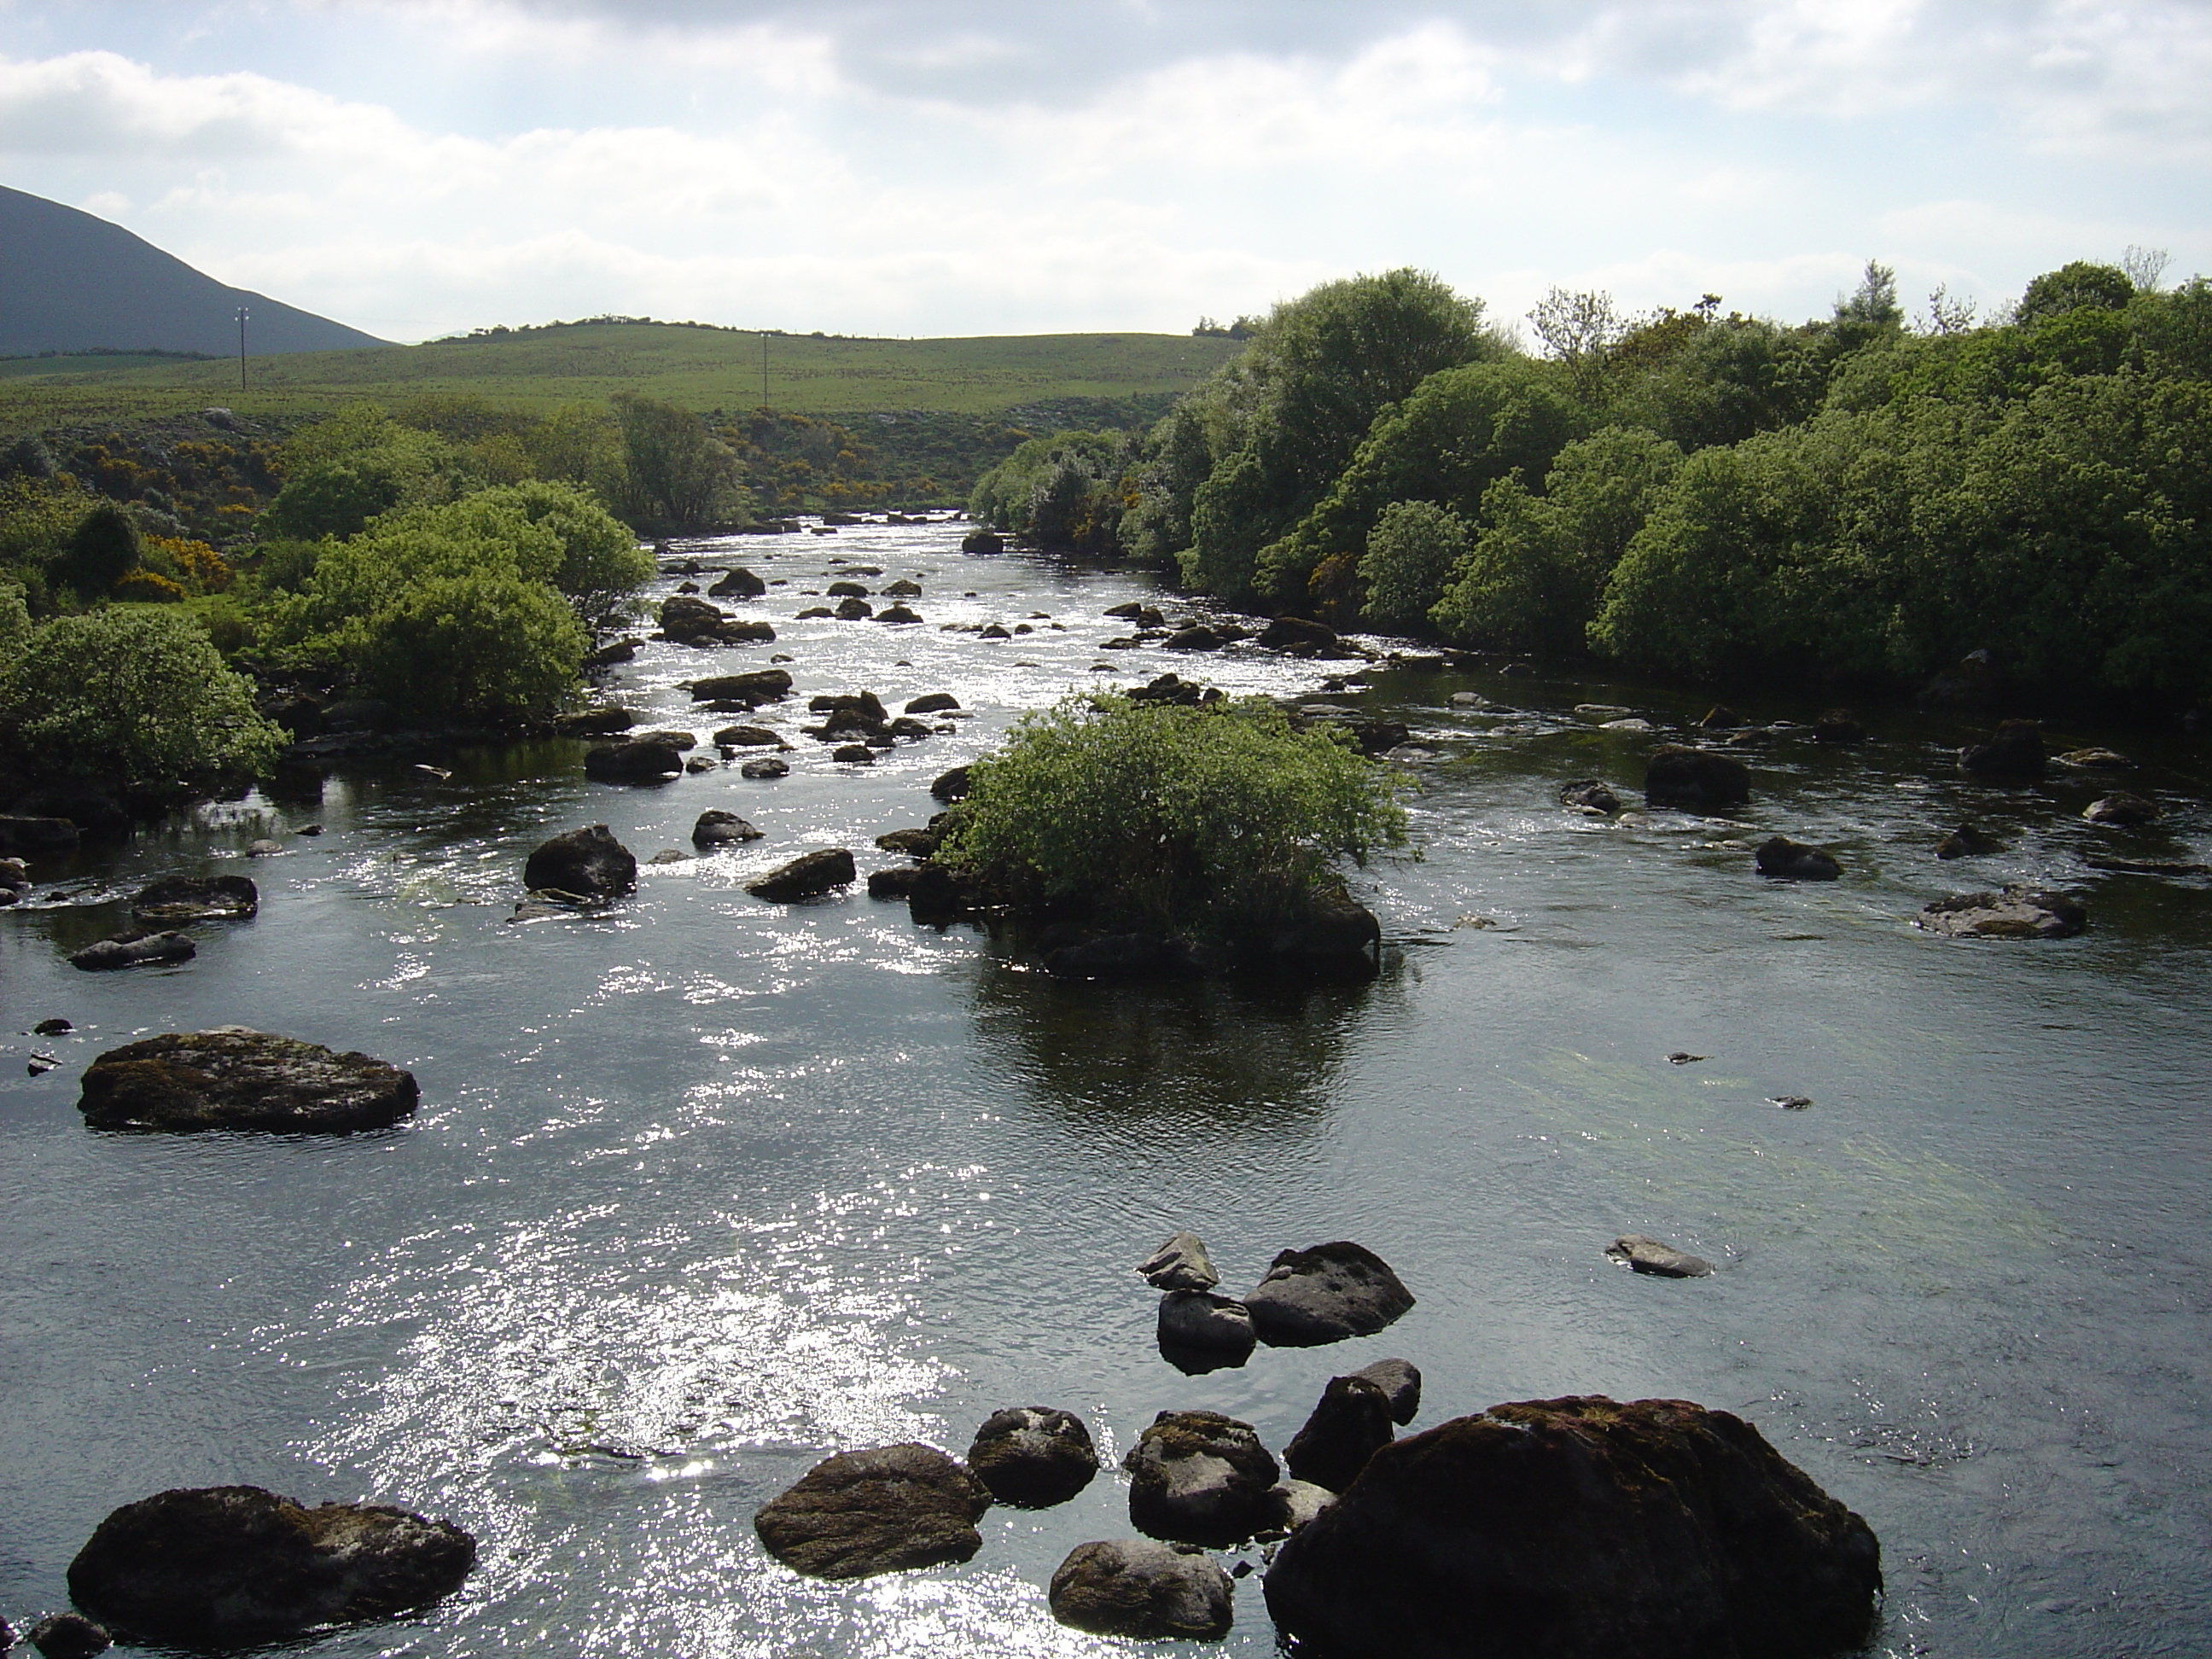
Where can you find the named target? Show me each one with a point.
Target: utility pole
(241, 347)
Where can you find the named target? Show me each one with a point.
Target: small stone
(1792, 1103)
(1648, 1256)
(1200, 1331)
(1179, 1264)
(1785, 859)
(716, 827)
(263, 848)
(1683, 1057)
(671, 855)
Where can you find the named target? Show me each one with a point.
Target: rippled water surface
(707, 1189)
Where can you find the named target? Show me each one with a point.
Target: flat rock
(806, 876)
(1349, 1425)
(1580, 1528)
(2015, 913)
(133, 950)
(1648, 1256)
(887, 1510)
(932, 702)
(914, 843)
(1325, 1294)
(587, 862)
(1136, 1588)
(196, 898)
(1033, 1456)
(1199, 1478)
(1179, 1264)
(601, 722)
(746, 737)
(227, 1566)
(2095, 760)
(231, 1077)
(754, 685)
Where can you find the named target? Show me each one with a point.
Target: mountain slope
(70, 282)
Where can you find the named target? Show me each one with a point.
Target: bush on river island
(1202, 820)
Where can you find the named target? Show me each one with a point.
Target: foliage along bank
(1849, 501)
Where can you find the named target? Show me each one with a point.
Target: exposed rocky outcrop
(1133, 1587)
(602, 722)
(1300, 637)
(695, 622)
(1699, 780)
(747, 737)
(196, 898)
(806, 877)
(2015, 913)
(982, 541)
(1325, 1294)
(755, 686)
(739, 583)
(1033, 1456)
(588, 863)
(1580, 1528)
(887, 1510)
(231, 1077)
(228, 1566)
(914, 843)
(1199, 1478)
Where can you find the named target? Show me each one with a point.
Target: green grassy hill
(704, 369)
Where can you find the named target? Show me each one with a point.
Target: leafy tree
(580, 443)
(486, 644)
(1175, 461)
(1067, 491)
(1579, 331)
(141, 693)
(678, 475)
(1413, 545)
(1195, 820)
(2105, 287)
(1531, 581)
(341, 472)
(103, 548)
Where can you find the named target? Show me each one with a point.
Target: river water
(706, 1190)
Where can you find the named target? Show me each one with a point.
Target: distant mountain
(70, 282)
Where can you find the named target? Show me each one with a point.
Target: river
(707, 1188)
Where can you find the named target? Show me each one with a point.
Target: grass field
(701, 368)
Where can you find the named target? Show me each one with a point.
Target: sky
(419, 168)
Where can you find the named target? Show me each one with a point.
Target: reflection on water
(706, 1189)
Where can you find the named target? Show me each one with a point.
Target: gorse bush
(1198, 820)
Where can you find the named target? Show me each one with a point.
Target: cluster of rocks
(170, 900)
(687, 620)
(1306, 1299)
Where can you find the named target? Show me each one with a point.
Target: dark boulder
(1588, 795)
(898, 614)
(1199, 1478)
(2015, 753)
(1200, 1331)
(1968, 840)
(716, 827)
(1141, 1589)
(746, 737)
(230, 1078)
(1401, 1383)
(737, 584)
(230, 1566)
(689, 621)
(1119, 956)
(902, 589)
(66, 1635)
(196, 898)
(2015, 913)
(853, 754)
(1790, 860)
(982, 541)
(855, 610)
(768, 766)
(1196, 637)
(951, 786)
(1838, 727)
(1350, 1424)
(1180, 1264)
(1325, 1295)
(941, 894)
(608, 655)
(884, 1510)
(632, 762)
(755, 685)
(914, 843)
(1033, 1456)
(846, 591)
(679, 741)
(1697, 779)
(589, 863)
(897, 882)
(603, 722)
(2124, 809)
(1299, 635)
(806, 877)
(1648, 1256)
(27, 837)
(1580, 1528)
(133, 950)
(1328, 934)
(932, 702)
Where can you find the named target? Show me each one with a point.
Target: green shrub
(1413, 547)
(480, 645)
(1192, 819)
(141, 694)
(99, 552)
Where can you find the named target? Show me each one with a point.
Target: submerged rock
(1325, 1294)
(1791, 860)
(589, 863)
(2015, 913)
(1349, 1425)
(1199, 1478)
(231, 1077)
(1840, 727)
(884, 1510)
(1135, 1588)
(1033, 1456)
(1588, 795)
(133, 950)
(805, 877)
(196, 898)
(228, 1566)
(1580, 1528)
(1698, 779)
(1648, 1256)
(1180, 1264)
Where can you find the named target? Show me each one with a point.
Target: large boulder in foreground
(1700, 779)
(884, 1510)
(1033, 1456)
(589, 863)
(227, 1566)
(1135, 1588)
(231, 1077)
(1200, 1478)
(1325, 1295)
(1580, 1528)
